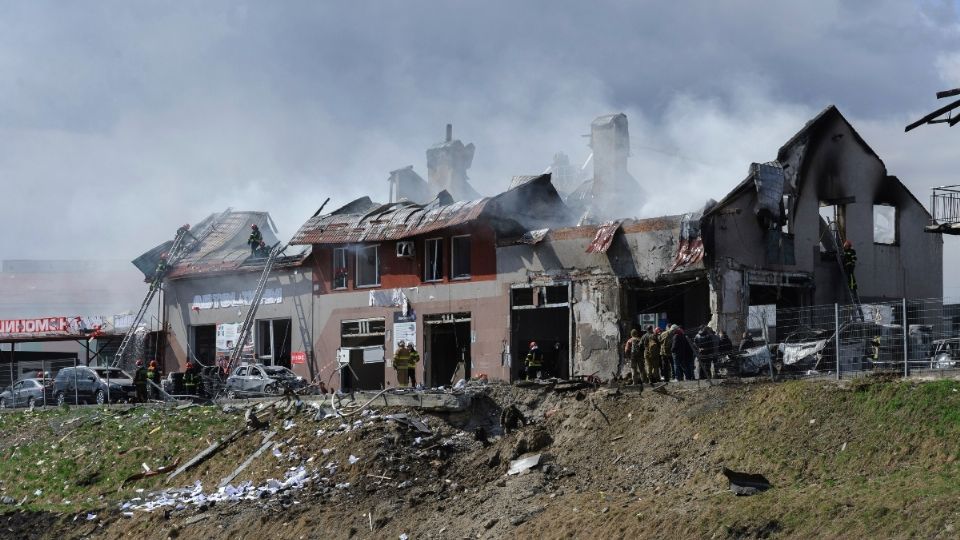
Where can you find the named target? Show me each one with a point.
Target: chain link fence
(897, 338)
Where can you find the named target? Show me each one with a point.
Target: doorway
(446, 357)
(541, 314)
(205, 343)
(273, 342)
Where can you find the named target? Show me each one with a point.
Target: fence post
(836, 335)
(906, 349)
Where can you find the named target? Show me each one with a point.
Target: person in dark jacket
(707, 345)
(682, 355)
(746, 342)
(850, 265)
(255, 239)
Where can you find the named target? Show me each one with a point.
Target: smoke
(120, 122)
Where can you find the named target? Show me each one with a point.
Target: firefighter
(412, 363)
(534, 361)
(401, 363)
(153, 376)
(633, 350)
(140, 382)
(849, 265)
(255, 239)
(190, 380)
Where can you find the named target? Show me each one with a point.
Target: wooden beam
(206, 454)
(934, 114)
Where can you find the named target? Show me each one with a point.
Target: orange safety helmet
(847, 244)
(153, 363)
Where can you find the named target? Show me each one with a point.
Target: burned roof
(219, 245)
(532, 204)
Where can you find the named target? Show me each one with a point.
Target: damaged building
(420, 273)
(207, 292)
(773, 242)
(472, 280)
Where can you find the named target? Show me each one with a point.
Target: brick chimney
(615, 192)
(447, 165)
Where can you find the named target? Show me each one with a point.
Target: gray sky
(119, 121)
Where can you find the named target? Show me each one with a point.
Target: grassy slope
(898, 475)
(76, 456)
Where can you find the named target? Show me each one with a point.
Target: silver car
(24, 393)
(259, 380)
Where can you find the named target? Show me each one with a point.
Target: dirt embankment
(879, 460)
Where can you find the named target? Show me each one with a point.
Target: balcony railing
(945, 207)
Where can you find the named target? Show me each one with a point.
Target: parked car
(25, 393)
(93, 385)
(258, 380)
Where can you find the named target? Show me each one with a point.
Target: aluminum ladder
(247, 324)
(177, 250)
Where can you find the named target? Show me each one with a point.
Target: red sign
(298, 357)
(45, 325)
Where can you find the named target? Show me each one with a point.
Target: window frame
(426, 260)
(345, 251)
(453, 258)
(376, 266)
(895, 224)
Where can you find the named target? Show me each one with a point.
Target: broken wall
(641, 252)
(828, 162)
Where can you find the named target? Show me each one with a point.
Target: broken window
(556, 294)
(884, 224)
(362, 328)
(340, 268)
(833, 226)
(460, 257)
(433, 260)
(523, 296)
(368, 266)
(762, 317)
(786, 220)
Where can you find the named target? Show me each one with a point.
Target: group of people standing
(668, 354)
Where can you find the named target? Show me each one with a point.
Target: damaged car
(261, 380)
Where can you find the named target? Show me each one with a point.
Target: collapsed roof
(220, 245)
(531, 203)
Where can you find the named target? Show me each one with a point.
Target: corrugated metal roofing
(387, 222)
(535, 202)
(222, 245)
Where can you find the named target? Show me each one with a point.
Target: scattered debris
(267, 441)
(211, 450)
(524, 464)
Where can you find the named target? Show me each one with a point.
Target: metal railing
(896, 338)
(945, 205)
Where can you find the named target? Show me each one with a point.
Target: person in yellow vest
(412, 363)
(153, 376)
(401, 363)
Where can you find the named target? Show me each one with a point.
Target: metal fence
(899, 338)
